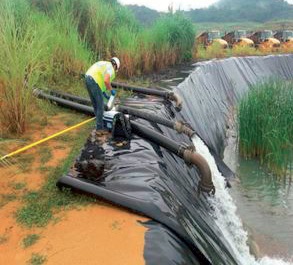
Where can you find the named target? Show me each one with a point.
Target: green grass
(24, 161)
(18, 185)
(216, 51)
(37, 259)
(244, 51)
(30, 240)
(45, 154)
(265, 119)
(39, 206)
(213, 51)
(6, 198)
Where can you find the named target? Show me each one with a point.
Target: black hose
(179, 126)
(155, 137)
(80, 100)
(66, 103)
(169, 95)
(142, 90)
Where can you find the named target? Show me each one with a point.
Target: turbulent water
(225, 215)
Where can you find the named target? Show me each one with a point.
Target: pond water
(265, 205)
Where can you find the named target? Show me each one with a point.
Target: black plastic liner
(150, 180)
(160, 244)
(144, 177)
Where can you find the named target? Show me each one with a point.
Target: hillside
(144, 15)
(227, 11)
(239, 10)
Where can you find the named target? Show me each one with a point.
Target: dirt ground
(93, 234)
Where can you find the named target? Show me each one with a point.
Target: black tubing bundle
(64, 102)
(67, 103)
(168, 95)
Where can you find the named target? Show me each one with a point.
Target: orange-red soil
(95, 234)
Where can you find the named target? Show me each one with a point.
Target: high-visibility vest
(98, 71)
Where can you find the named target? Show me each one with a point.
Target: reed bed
(265, 119)
(23, 56)
(50, 43)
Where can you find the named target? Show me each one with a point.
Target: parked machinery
(207, 39)
(286, 39)
(238, 38)
(265, 41)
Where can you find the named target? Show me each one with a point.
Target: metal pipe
(169, 95)
(179, 126)
(183, 151)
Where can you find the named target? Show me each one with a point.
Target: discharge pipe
(181, 150)
(179, 126)
(169, 95)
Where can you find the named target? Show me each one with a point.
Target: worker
(98, 80)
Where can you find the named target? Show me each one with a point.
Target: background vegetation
(229, 11)
(265, 121)
(49, 43)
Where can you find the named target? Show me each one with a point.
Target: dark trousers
(96, 97)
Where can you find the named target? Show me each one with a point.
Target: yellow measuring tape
(44, 140)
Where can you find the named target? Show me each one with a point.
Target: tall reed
(23, 56)
(265, 121)
(44, 42)
(69, 52)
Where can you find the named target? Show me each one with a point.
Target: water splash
(227, 219)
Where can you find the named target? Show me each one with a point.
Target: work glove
(113, 92)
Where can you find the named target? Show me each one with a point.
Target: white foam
(226, 218)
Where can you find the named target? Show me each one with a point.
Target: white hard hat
(116, 61)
